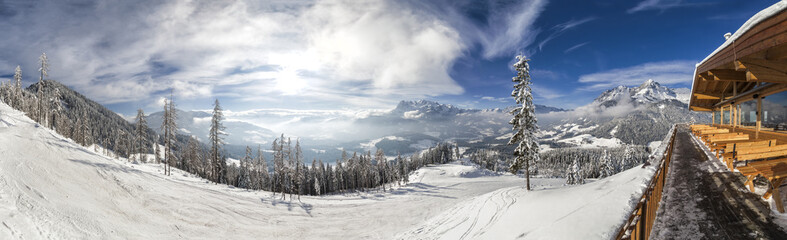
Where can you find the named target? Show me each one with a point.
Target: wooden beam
(704, 76)
(759, 118)
(727, 75)
(708, 96)
(777, 53)
(741, 65)
(702, 109)
(764, 74)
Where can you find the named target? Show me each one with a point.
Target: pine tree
(244, 181)
(57, 109)
(263, 169)
(524, 121)
(607, 166)
(158, 151)
(627, 159)
(217, 141)
(574, 174)
(141, 135)
(18, 77)
(17, 93)
(40, 111)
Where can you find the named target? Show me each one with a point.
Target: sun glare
(289, 83)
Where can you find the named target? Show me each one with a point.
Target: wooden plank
(713, 131)
(777, 197)
(701, 109)
(777, 53)
(743, 157)
(743, 64)
(723, 139)
(727, 75)
(707, 96)
(757, 73)
(761, 149)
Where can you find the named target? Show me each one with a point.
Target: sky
(358, 55)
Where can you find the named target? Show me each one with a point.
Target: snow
(372, 144)
(588, 141)
(613, 131)
(654, 144)
(589, 211)
(51, 187)
(505, 136)
(423, 144)
(753, 21)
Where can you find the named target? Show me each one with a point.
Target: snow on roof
(753, 21)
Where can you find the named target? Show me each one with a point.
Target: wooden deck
(749, 155)
(704, 200)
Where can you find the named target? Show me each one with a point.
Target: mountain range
(632, 115)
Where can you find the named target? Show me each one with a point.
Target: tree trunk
(527, 175)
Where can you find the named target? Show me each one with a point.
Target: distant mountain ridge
(648, 92)
(637, 115)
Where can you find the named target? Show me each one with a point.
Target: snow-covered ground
(588, 141)
(51, 187)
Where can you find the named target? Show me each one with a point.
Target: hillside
(51, 187)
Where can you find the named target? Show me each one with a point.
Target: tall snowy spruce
(141, 136)
(216, 143)
(524, 121)
(41, 112)
(607, 165)
(169, 127)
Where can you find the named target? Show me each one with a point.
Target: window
(748, 112)
(774, 111)
(716, 117)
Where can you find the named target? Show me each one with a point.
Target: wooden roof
(753, 63)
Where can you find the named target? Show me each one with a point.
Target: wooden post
(713, 118)
(759, 118)
(734, 115)
(721, 116)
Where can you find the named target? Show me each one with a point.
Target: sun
(289, 82)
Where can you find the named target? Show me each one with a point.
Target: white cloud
(661, 5)
(494, 99)
(668, 72)
(575, 47)
(511, 31)
(363, 54)
(545, 93)
(563, 27)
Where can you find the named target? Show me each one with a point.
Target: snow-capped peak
(651, 91)
(648, 92)
(425, 107)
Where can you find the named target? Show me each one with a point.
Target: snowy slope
(53, 188)
(589, 211)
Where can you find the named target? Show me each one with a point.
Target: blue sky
(355, 55)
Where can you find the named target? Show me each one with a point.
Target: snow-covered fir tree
(44, 70)
(217, 142)
(607, 165)
(141, 135)
(574, 174)
(524, 121)
(169, 127)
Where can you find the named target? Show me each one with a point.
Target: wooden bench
(773, 170)
(696, 128)
(756, 156)
(753, 146)
(709, 138)
(712, 131)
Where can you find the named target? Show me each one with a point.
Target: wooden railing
(640, 222)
